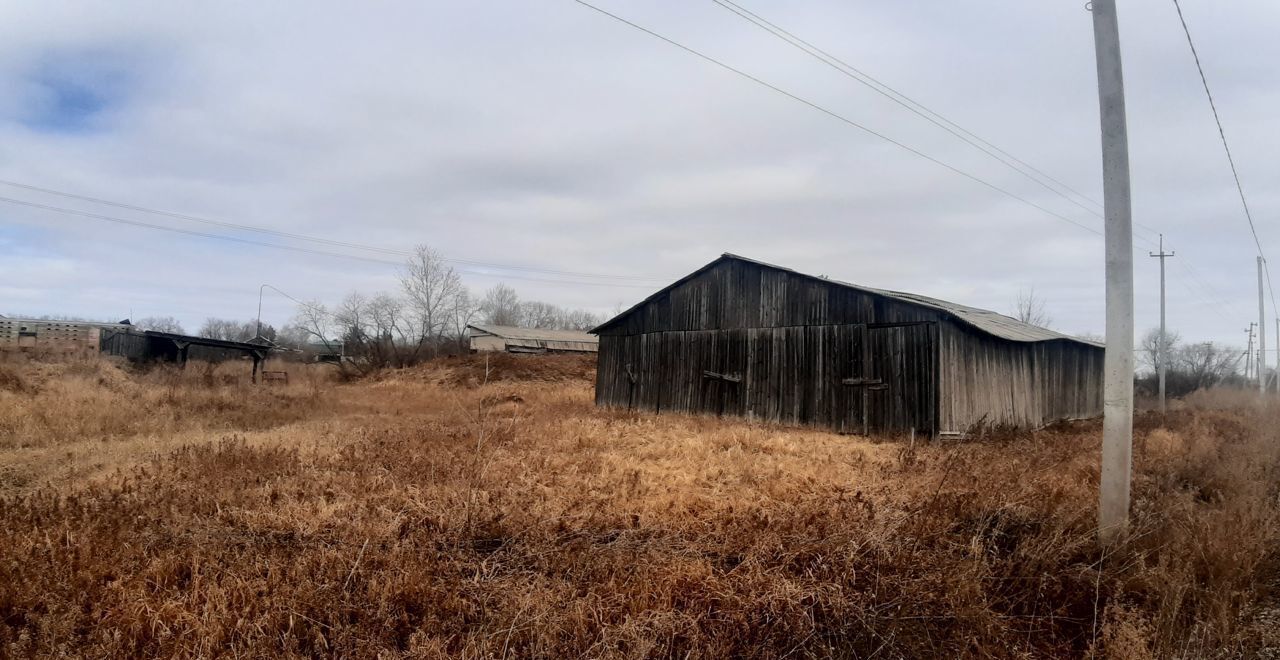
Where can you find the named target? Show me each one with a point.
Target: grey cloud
(548, 135)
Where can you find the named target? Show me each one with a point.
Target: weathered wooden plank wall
(794, 375)
(123, 343)
(738, 294)
(988, 380)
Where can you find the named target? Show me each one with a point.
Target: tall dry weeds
(512, 518)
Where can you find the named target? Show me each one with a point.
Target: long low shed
(488, 337)
(151, 345)
(746, 338)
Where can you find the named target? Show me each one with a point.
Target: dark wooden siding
(738, 294)
(788, 341)
(138, 346)
(794, 375)
(122, 343)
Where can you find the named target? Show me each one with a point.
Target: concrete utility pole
(1117, 391)
(1248, 354)
(1161, 347)
(258, 332)
(1262, 333)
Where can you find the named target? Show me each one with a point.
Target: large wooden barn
(745, 338)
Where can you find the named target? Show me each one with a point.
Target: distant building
(529, 340)
(153, 346)
(47, 337)
(329, 350)
(87, 339)
(745, 338)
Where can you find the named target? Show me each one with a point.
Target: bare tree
(314, 325)
(580, 319)
(161, 324)
(534, 314)
(393, 340)
(231, 330)
(1205, 364)
(1030, 309)
(501, 306)
(292, 335)
(465, 310)
(352, 319)
(1151, 348)
(432, 288)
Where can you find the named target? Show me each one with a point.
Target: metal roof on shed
(992, 323)
(535, 334)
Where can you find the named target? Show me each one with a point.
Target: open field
(440, 512)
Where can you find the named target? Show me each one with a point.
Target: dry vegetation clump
(479, 368)
(11, 380)
(514, 519)
(47, 404)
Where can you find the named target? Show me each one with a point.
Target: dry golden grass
(429, 513)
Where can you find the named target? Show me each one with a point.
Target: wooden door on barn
(848, 401)
(902, 372)
(722, 370)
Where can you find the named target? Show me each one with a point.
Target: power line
(937, 119)
(294, 248)
(901, 99)
(1222, 134)
(315, 239)
(969, 137)
(839, 117)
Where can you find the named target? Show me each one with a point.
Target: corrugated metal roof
(535, 334)
(992, 323)
(1005, 327)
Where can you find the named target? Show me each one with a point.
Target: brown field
(440, 512)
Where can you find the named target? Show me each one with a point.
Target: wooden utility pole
(1162, 347)
(1117, 421)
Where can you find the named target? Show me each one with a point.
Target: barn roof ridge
(992, 323)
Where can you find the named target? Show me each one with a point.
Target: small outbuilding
(745, 338)
(154, 346)
(485, 337)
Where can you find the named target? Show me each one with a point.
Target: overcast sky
(547, 135)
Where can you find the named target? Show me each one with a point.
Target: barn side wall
(793, 375)
(987, 380)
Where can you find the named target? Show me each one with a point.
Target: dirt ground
(460, 509)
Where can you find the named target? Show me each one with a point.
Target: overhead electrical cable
(319, 240)
(839, 117)
(1231, 161)
(295, 248)
(1011, 161)
(906, 102)
(879, 86)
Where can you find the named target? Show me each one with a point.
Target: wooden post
(631, 388)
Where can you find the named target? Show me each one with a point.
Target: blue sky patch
(71, 92)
